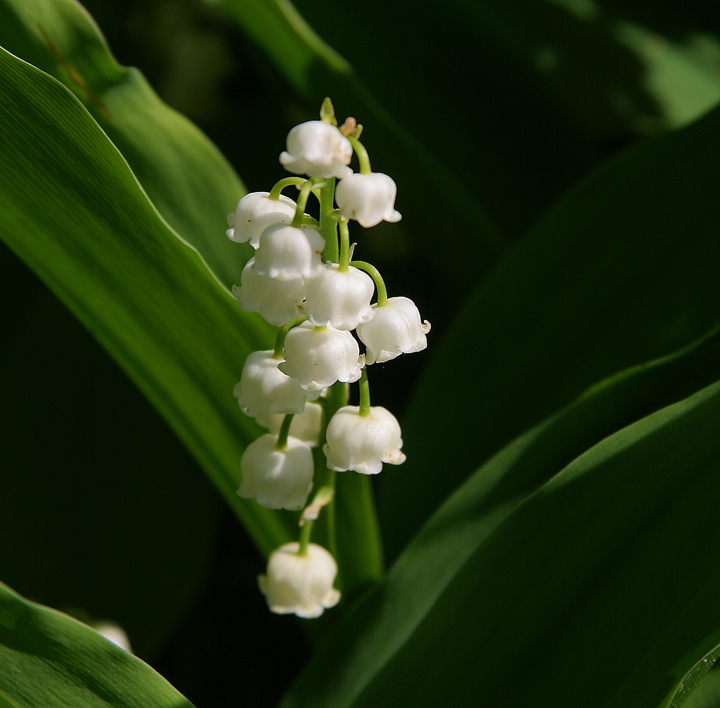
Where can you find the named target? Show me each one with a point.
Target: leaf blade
(185, 176)
(137, 288)
(48, 657)
(383, 626)
(617, 273)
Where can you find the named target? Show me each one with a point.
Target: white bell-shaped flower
(339, 298)
(396, 329)
(278, 301)
(254, 213)
(317, 149)
(369, 199)
(300, 584)
(317, 358)
(305, 426)
(276, 479)
(287, 252)
(264, 389)
(363, 443)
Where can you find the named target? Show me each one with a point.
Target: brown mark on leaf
(74, 75)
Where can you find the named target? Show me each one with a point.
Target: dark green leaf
(49, 659)
(596, 590)
(621, 271)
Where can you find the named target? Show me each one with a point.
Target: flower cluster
(302, 279)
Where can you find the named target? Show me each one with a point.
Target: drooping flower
(339, 298)
(255, 212)
(317, 358)
(300, 584)
(396, 329)
(305, 426)
(264, 389)
(278, 301)
(369, 199)
(317, 149)
(276, 478)
(287, 252)
(363, 443)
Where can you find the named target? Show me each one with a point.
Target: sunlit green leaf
(187, 179)
(71, 208)
(49, 659)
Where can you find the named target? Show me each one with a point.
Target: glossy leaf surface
(187, 179)
(71, 208)
(47, 658)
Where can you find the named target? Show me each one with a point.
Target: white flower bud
(396, 329)
(255, 212)
(264, 389)
(363, 443)
(369, 199)
(339, 298)
(286, 252)
(319, 358)
(317, 149)
(276, 300)
(305, 426)
(301, 585)
(276, 479)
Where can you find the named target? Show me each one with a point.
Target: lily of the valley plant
(303, 279)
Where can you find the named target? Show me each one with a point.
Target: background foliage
(549, 540)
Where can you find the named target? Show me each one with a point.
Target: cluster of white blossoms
(302, 279)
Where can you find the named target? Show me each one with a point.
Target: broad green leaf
(603, 576)
(187, 179)
(620, 271)
(72, 210)
(47, 658)
(85, 454)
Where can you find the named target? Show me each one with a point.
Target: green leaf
(619, 272)
(185, 176)
(47, 658)
(697, 689)
(595, 590)
(705, 695)
(72, 210)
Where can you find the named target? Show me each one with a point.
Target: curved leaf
(620, 271)
(71, 208)
(187, 179)
(602, 576)
(47, 658)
